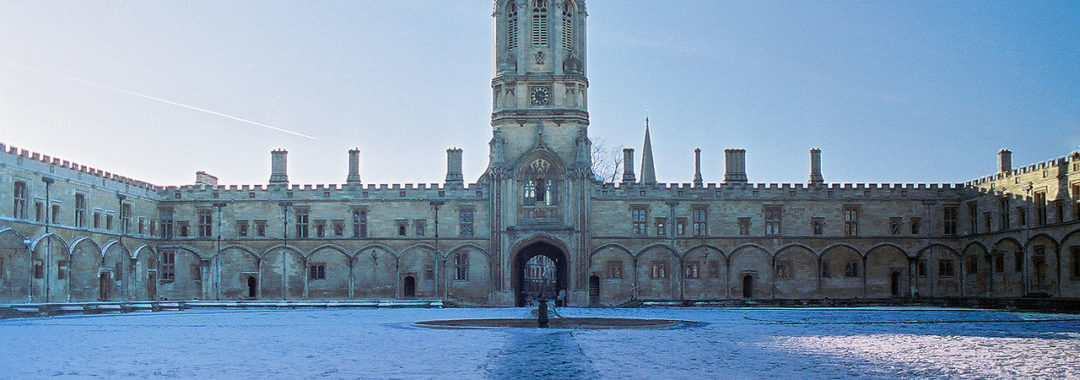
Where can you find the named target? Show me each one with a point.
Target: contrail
(166, 101)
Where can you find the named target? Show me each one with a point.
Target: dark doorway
(539, 268)
(748, 286)
(104, 283)
(409, 286)
(151, 286)
(894, 282)
(594, 291)
(252, 286)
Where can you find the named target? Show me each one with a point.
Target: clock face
(540, 95)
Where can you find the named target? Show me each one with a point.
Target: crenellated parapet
(785, 191)
(45, 164)
(315, 192)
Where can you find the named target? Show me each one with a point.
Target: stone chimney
(697, 168)
(354, 167)
(279, 167)
(815, 167)
(735, 165)
(204, 178)
(453, 167)
(1004, 161)
(628, 166)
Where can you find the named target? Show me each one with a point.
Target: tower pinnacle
(648, 169)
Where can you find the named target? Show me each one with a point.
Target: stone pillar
(735, 165)
(278, 167)
(815, 167)
(1004, 161)
(354, 167)
(453, 167)
(628, 166)
(697, 168)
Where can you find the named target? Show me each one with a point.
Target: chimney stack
(697, 168)
(453, 167)
(815, 167)
(278, 167)
(628, 166)
(354, 167)
(204, 178)
(1004, 161)
(735, 164)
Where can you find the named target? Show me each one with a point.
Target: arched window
(568, 25)
(539, 23)
(511, 25)
(538, 188)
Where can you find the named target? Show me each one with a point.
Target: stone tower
(540, 162)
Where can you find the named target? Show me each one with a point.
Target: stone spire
(648, 170)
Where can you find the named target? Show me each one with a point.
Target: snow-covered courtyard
(382, 343)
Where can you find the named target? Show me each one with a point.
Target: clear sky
(905, 91)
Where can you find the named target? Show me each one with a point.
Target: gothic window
(320, 228)
(539, 23)
(1018, 261)
(915, 224)
(465, 223)
(206, 219)
(141, 222)
(167, 266)
(317, 271)
(637, 216)
(945, 268)
(680, 226)
(339, 227)
(402, 227)
(108, 221)
(242, 228)
(658, 270)
(1021, 216)
(971, 266)
(19, 210)
(973, 216)
(511, 25)
(825, 270)
(701, 226)
(952, 220)
(39, 212)
(772, 220)
(182, 227)
(614, 269)
(461, 266)
(166, 215)
(80, 210)
(260, 228)
(62, 269)
(851, 269)
(1040, 208)
(693, 269)
(744, 226)
(851, 221)
(359, 220)
(661, 227)
(1004, 202)
(538, 190)
(817, 225)
(39, 269)
(894, 226)
(784, 269)
(530, 193)
(568, 25)
(196, 272)
(54, 216)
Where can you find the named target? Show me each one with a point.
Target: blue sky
(911, 91)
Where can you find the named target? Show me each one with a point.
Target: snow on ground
(381, 343)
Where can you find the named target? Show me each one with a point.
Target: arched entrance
(252, 287)
(894, 282)
(594, 291)
(539, 268)
(409, 286)
(748, 286)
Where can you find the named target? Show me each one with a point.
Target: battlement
(779, 190)
(76, 169)
(320, 191)
(1060, 165)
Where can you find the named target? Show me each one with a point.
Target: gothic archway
(539, 266)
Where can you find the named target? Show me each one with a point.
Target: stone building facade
(536, 219)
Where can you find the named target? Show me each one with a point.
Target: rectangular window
(945, 268)
(80, 210)
(429, 273)
(784, 269)
(714, 269)
(701, 226)
(772, 220)
(1040, 208)
(260, 228)
(302, 220)
(614, 269)
(97, 219)
(817, 225)
(20, 194)
(125, 217)
(529, 193)
(658, 269)
(316, 271)
(1021, 216)
(1076, 201)
(206, 223)
(1018, 261)
(167, 266)
(921, 269)
(637, 216)
(242, 228)
(153, 227)
(988, 220)
(744, 226)
(320, 228)
(680, 227)
(916, 225)
(108, 221)
(61, 269)
(339, 227)
(999, 262)
(661, 226)
(359, 219)
(826, 271)
(402, 227)
(465, 222)
(1004, 209)
(971, 265)
(851, 269)
(39, 212)
(196, 272)
(952, 219)
(894, 225)
(461, 267)
(973, 218)
(118, 272)
(166, 217)
(142, 222)
(54, 214)
(693, 269)
(851, 221)
(183, 229)
(1074, 262)
(1059, 211)
(39, 269)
